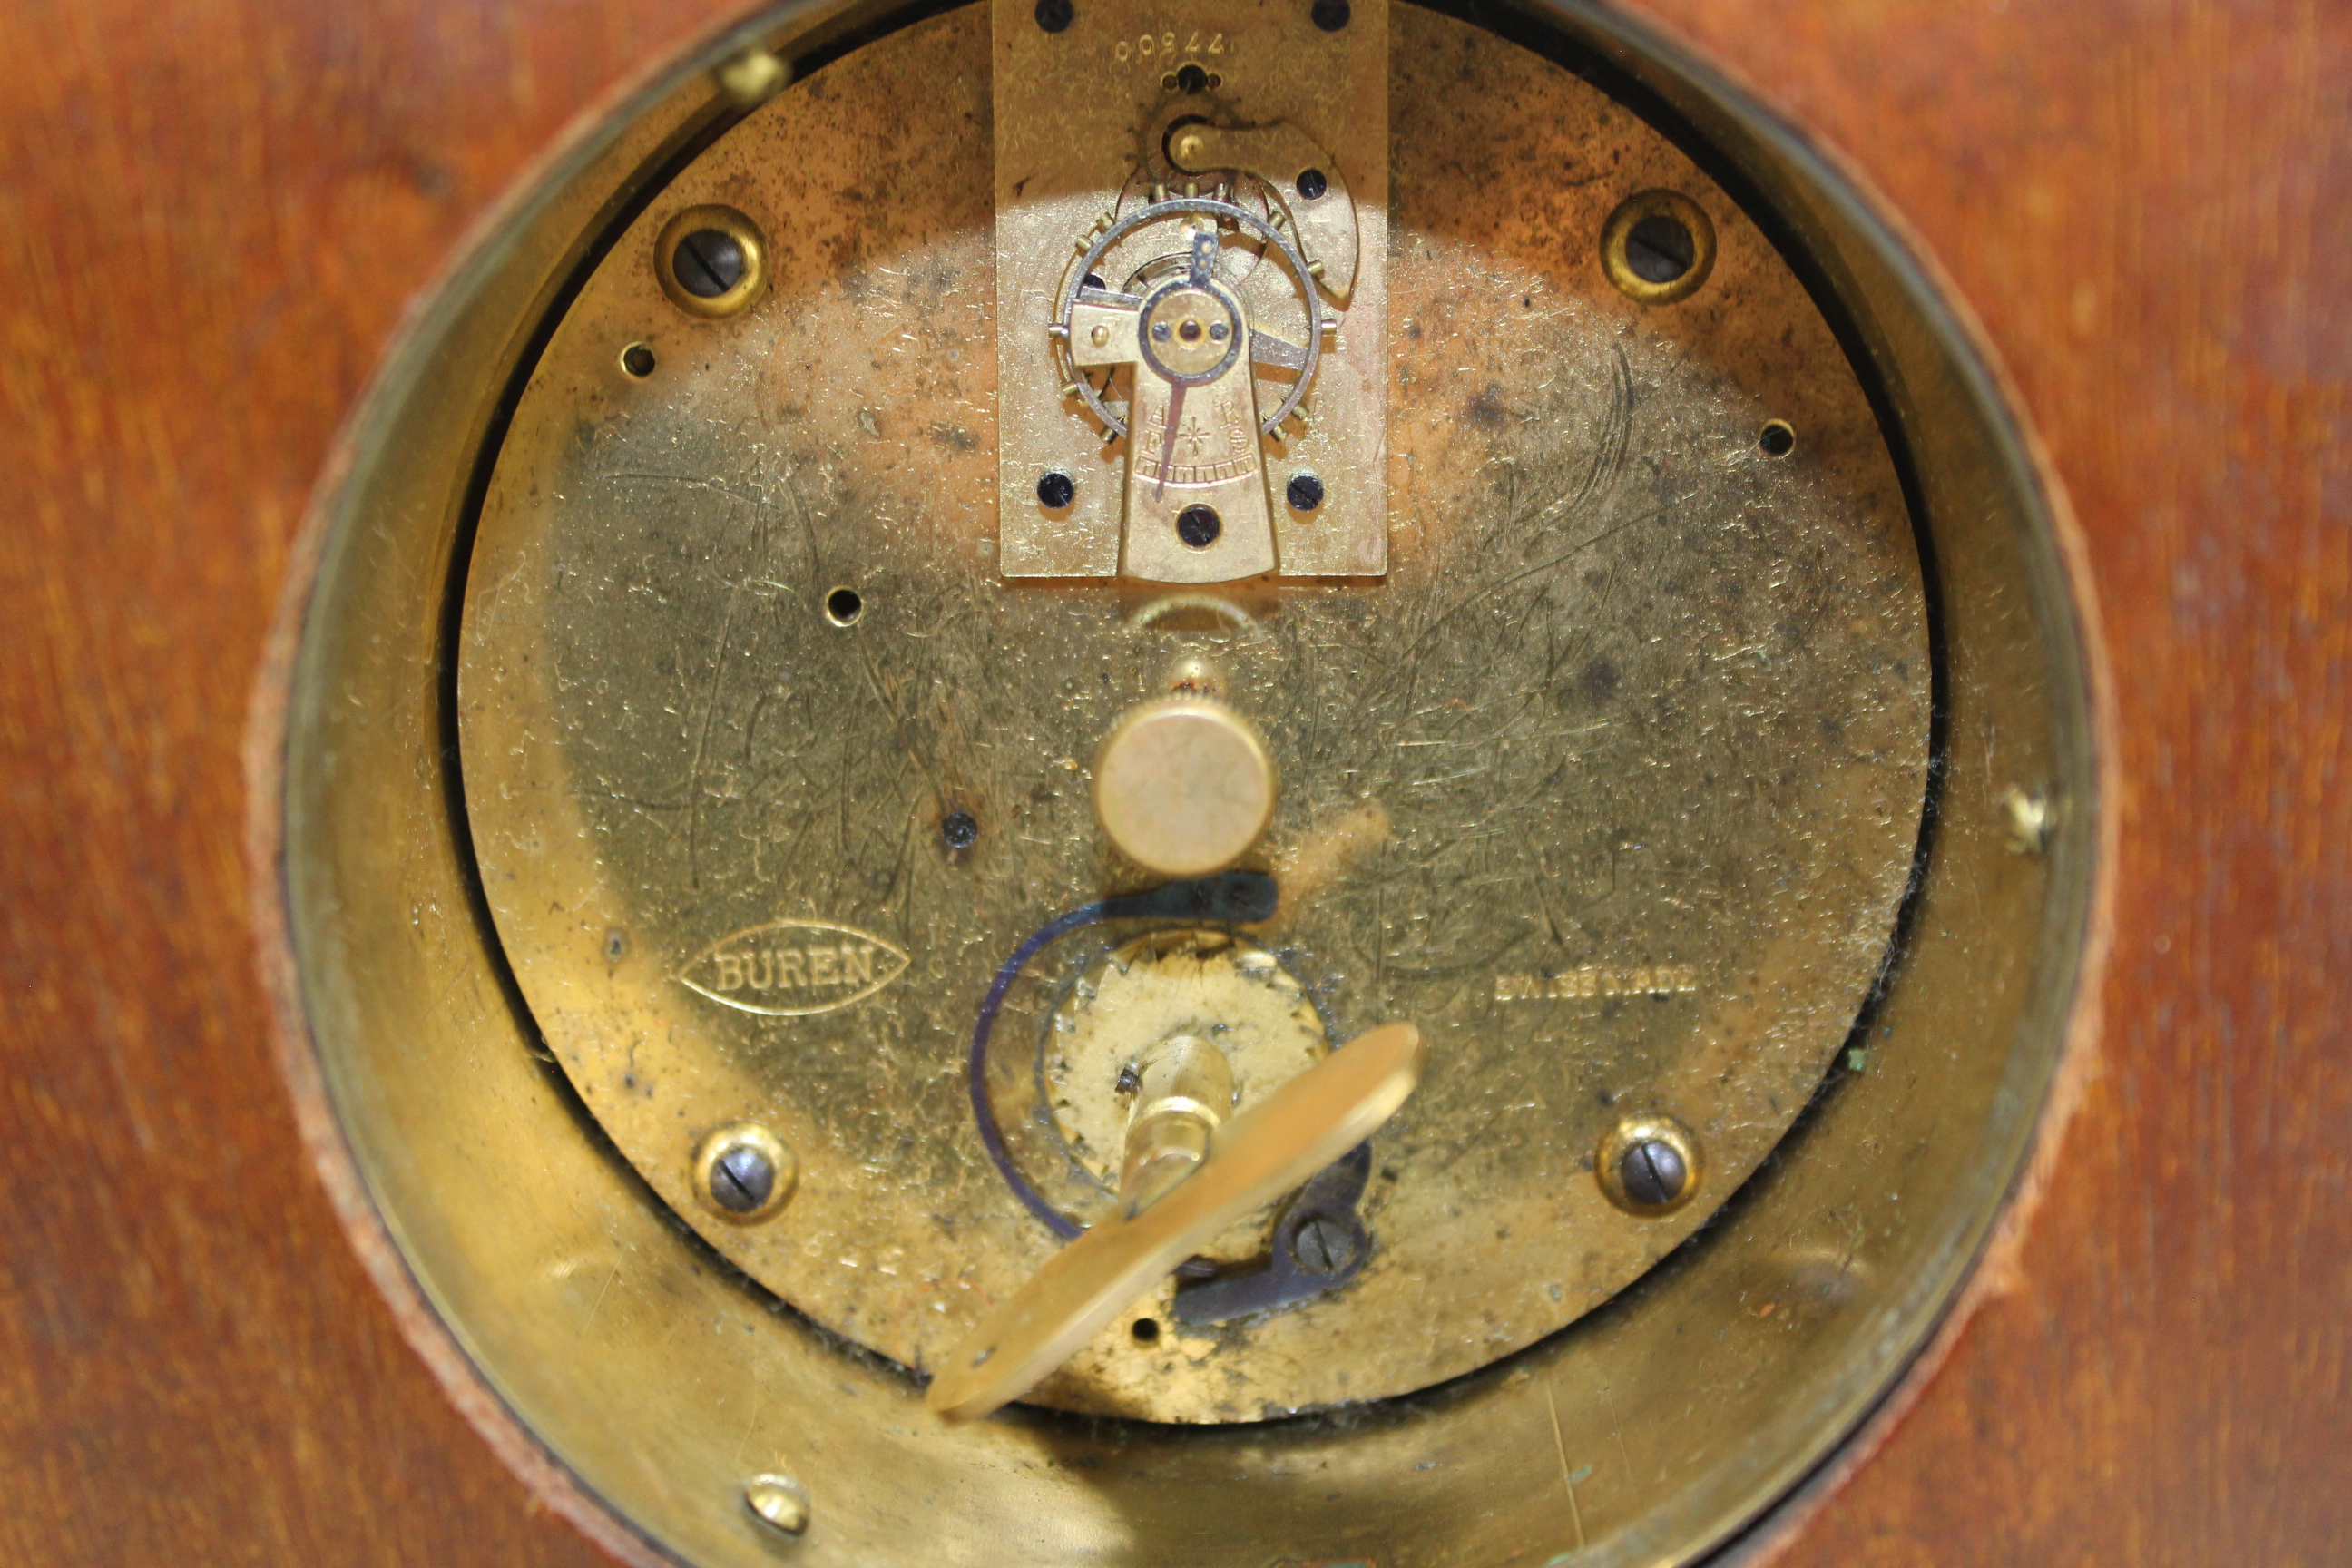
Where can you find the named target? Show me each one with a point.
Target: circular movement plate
(1612, 784)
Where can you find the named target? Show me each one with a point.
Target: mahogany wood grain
(211, 215)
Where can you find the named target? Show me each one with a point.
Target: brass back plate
(1612, 784)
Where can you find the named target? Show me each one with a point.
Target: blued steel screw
(1653, 1173)
(1331, 14)
(1660, 249)
(1323, 1245)
(1054, 15)
(707, 263)
(740, 1179)
(960, 829)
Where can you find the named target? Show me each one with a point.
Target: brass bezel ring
(1644, 1129)
(736, 227)
(1620, 229)
(751, 1135)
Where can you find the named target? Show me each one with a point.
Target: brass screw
(779, 1502)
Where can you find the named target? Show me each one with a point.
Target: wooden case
(213, 219)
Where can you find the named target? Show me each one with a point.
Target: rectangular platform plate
(1075, 112)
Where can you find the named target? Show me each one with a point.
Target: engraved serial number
(1159, 48)
(1598, 980)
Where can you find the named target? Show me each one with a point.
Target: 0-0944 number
(1162, 46)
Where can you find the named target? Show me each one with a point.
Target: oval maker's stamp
(790, 969)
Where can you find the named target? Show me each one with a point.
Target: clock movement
(1088, 783)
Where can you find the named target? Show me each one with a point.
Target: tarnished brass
(1260, 1155)
(1640, 714)
(581, 1327)
(1168, 985)
(1183, 786)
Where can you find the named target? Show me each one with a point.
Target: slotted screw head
(708, 262)
(1653, 1173)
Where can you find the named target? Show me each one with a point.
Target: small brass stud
(2029, 819)
(753, 77)
(779, 1502)
(1192, 675)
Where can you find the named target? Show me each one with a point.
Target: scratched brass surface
(636, 1385)
(1612, 784)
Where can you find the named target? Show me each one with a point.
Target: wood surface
(211, 217)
